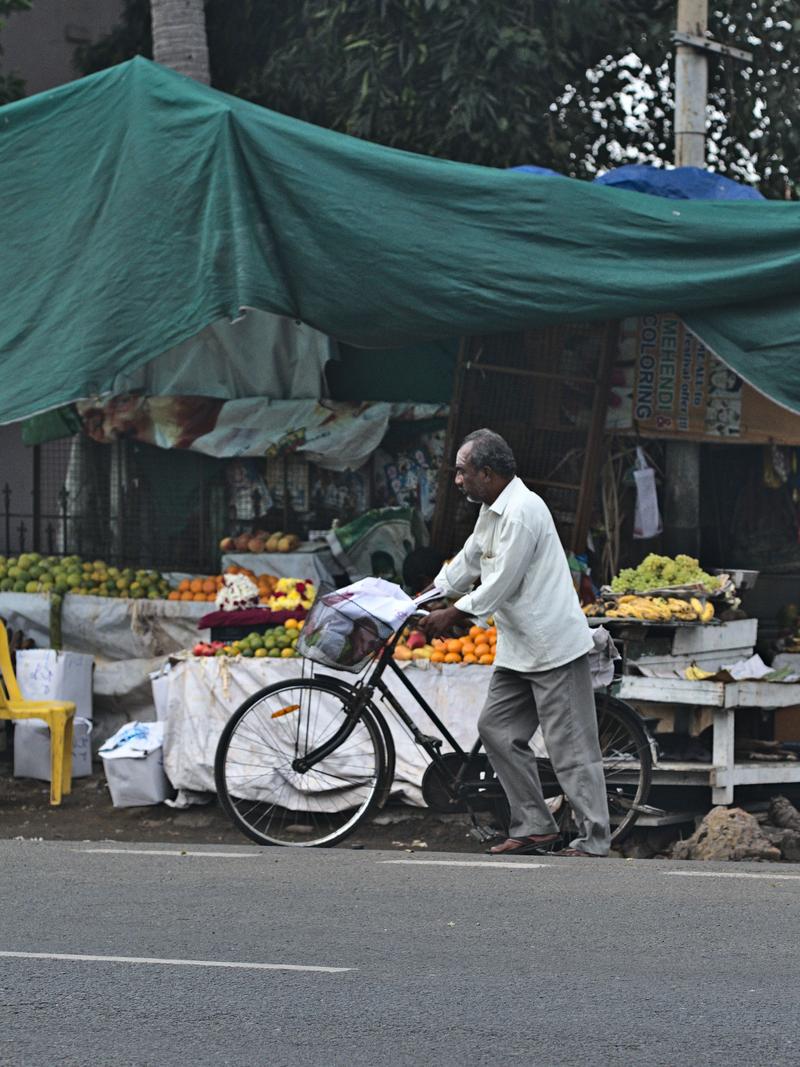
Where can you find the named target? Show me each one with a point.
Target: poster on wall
(666, 383)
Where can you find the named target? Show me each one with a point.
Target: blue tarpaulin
(677, 183)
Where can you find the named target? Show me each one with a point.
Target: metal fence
(135, 505)
(110, 502)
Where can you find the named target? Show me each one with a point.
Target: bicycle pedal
(482, 833)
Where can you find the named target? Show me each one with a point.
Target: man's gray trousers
(562, 701)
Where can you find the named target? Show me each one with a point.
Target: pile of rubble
(734, 834)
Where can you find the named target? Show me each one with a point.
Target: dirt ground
(87, 814)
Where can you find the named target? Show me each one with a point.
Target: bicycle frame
(362, 694)
(463, 780)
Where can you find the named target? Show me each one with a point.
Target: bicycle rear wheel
(627, 767)
(275, 804)
(627, 762)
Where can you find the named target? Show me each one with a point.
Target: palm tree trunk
(179, 37)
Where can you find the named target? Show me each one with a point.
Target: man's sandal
(523, 846)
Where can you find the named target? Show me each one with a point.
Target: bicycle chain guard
(480, 789)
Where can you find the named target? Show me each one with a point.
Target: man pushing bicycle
(541, 674)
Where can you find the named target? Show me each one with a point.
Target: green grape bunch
(661, 572)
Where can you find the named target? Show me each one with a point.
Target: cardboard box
(133, 759)
(44, 674)
(137, 782)
(741, 633)
(32, 749)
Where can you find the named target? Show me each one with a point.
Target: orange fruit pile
(197, 589)
(205, 589)
(477, 647)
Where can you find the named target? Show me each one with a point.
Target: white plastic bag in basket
(383, 600)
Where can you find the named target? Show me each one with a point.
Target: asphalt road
(446, 960)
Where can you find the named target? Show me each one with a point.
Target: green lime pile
(661, 572)
(33, 573)
(280, 642)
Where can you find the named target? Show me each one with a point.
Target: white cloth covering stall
(197, 695)
(202, 693)
(128, 639)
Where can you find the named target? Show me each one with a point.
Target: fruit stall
(197, 692)
(719, 715)
(129, 621)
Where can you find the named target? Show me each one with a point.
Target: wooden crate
(728, 635)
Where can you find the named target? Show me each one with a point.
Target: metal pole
(286, 502)
(682, 466)
(7, 501)
(63, 498)
(37, 498)
(691, 87)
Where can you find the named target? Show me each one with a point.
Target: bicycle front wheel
(275, 804)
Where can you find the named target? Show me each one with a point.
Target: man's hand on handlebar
(442, 621)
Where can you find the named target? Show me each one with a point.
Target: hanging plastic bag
(647, 517)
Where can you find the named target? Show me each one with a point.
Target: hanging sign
(666, 383)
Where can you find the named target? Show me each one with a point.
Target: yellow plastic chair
(58, 714)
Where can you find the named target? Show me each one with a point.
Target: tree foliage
(473, 80)
(12, 86)
(130, 37)
(751, 129)
(578, 85)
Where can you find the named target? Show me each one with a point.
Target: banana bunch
(590, 610)
(693, 610)
(697, 674)
(661, 609)
(704, 612)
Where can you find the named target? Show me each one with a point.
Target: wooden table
(724, 700)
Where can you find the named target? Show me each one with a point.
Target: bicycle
(303, 762)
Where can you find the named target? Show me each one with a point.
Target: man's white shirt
(525, 583)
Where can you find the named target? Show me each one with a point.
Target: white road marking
(166, 852)
(516, 864)
(734, 874)
(172, 963)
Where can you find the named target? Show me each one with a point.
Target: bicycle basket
(338, 633)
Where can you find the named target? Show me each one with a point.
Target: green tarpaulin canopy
(139, 206)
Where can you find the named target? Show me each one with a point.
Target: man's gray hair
(491, 450)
